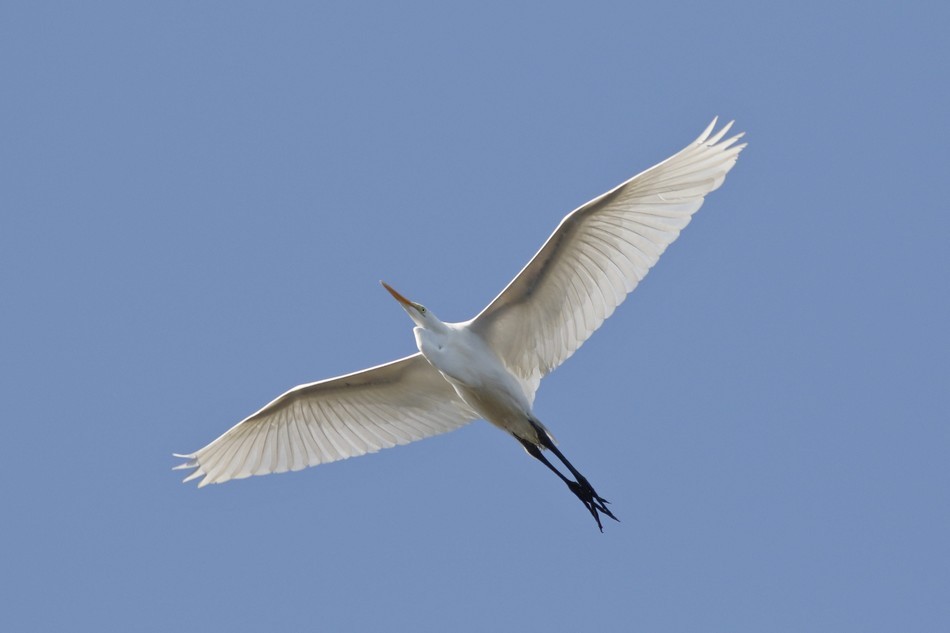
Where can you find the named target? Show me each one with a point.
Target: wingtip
(708, 130)
(718, 135)
(191, 463)
(193, 476)
(710, 139)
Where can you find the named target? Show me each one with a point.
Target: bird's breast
(476, 373)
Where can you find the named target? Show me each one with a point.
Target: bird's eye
(422, 309)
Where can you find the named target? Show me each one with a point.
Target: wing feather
(321, 422)
(598, 254)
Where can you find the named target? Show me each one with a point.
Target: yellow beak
(401, 299)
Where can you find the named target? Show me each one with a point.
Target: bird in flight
(488, 367)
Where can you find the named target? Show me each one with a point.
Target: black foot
(581, 488)
(591, 500)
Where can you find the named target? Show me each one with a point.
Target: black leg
(536, 453)
(599, 502)
(581, 488)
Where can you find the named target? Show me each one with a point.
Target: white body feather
(479, 377)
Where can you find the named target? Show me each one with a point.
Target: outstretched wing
(597, 255)
(320, 422)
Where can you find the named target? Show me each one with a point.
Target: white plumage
(489, 367)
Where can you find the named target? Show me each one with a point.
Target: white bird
(489, 367)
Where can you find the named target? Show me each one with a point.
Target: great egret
(490, 366)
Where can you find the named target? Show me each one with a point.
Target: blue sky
(198, 200)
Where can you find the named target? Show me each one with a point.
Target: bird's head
(417, 312)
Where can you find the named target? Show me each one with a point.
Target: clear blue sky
(198, 200)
